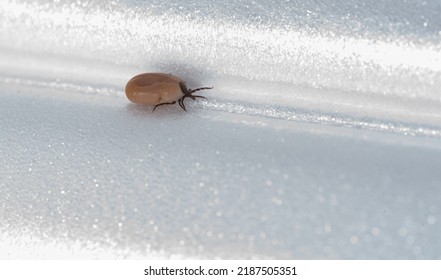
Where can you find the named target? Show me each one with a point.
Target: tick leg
(194, 97)
(191, 91)
(167, 103)
(181, 103)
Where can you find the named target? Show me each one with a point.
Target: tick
(159, 89)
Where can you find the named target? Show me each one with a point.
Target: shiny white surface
(208, 37)
(321, 138)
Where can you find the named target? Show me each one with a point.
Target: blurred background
(320, 140)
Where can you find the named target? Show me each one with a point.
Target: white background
(320, 140)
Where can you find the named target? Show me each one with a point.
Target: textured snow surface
(320, 139)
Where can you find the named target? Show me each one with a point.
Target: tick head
(189, 93)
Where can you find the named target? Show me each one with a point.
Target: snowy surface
(320, 139)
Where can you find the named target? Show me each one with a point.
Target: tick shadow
(193, 76)
(162, 112)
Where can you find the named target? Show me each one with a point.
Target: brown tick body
(159, 89)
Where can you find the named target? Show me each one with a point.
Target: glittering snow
(320, 139)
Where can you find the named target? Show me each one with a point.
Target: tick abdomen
(153, 93)
(153, 88)
(159, 89)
